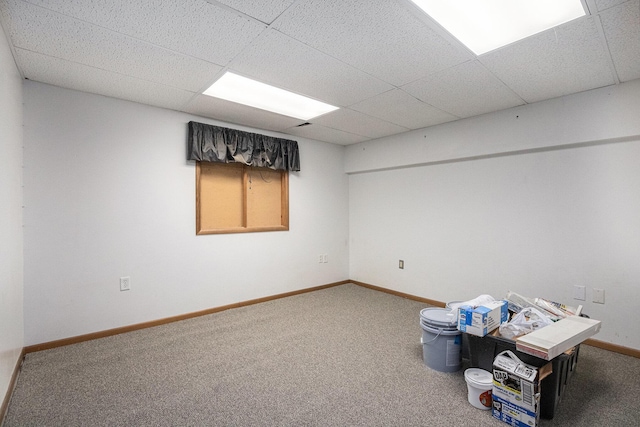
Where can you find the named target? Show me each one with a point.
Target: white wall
(108, 193)
(537, 223)
(535, 199)
(606, 114)
(11, 259)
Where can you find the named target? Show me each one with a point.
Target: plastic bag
(528, 320)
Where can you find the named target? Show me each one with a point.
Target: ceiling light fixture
(242, 90)
(485, 25)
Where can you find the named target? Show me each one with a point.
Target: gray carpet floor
(343, 356)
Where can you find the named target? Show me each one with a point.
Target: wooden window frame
(202, 203)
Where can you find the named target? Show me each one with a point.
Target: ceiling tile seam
(267, 27)
(506, 86)
(277, 18)
(592, 7)
(428, 103)
(613, 6)
(226, 67)
(229, 65)
(377, 119)
(345, 131)
(393, 86)
(423, 18)
(367, 138)
(434, 25)
(595, 17)
(188, 102)
(5, 25)
(423, 102)
(206, 86)
(106, 70)
(236, 12)
(336, 129)
(555, 32)
(433, 73)
(554, 29)
(147, 42)
(607, 51)
(339, 60)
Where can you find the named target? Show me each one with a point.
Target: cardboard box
(553, 340)
(482, 319)
(516, 390)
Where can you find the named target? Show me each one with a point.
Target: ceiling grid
(389, 68)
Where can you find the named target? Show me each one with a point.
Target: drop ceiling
(388, 66)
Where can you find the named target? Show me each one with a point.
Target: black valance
(210, 143)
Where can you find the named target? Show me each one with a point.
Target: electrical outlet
(401, 264)
(325, 258)
(320, 258)
(598, 296)
(125, 283)
(579, 293)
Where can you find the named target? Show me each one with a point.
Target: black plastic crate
(482, 351)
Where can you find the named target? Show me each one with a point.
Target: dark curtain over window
(216, 144)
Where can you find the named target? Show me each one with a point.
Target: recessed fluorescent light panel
(242, 90)
(485, 25)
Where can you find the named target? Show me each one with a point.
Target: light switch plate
(580, 293)
(598, 296)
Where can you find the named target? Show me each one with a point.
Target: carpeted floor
(344, 356)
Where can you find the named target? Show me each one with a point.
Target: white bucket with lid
(479, 386)
(465, 339)
(441, 340)
(439, 317)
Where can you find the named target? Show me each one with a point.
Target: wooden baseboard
(150, 324)
(400, 294)
(12, 385)
(594, 343)
(87, 337)
(627, 351)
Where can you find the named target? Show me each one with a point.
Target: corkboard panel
(234, 198)
(264, 197)
(220, 192)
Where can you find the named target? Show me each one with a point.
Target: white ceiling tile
(278, 60)
(262, 10)
(568, 59)
(322, 133)
(622, 30)
(606, 4)
(193, 27)
(232, 112)
(355, 122)
(40, 30)
(379, 37)
(465, 90)
(58, 72)
(402, 109)
(355, 54)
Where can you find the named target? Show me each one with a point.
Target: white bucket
(465, 338)
(479, 385)
(441, 340)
